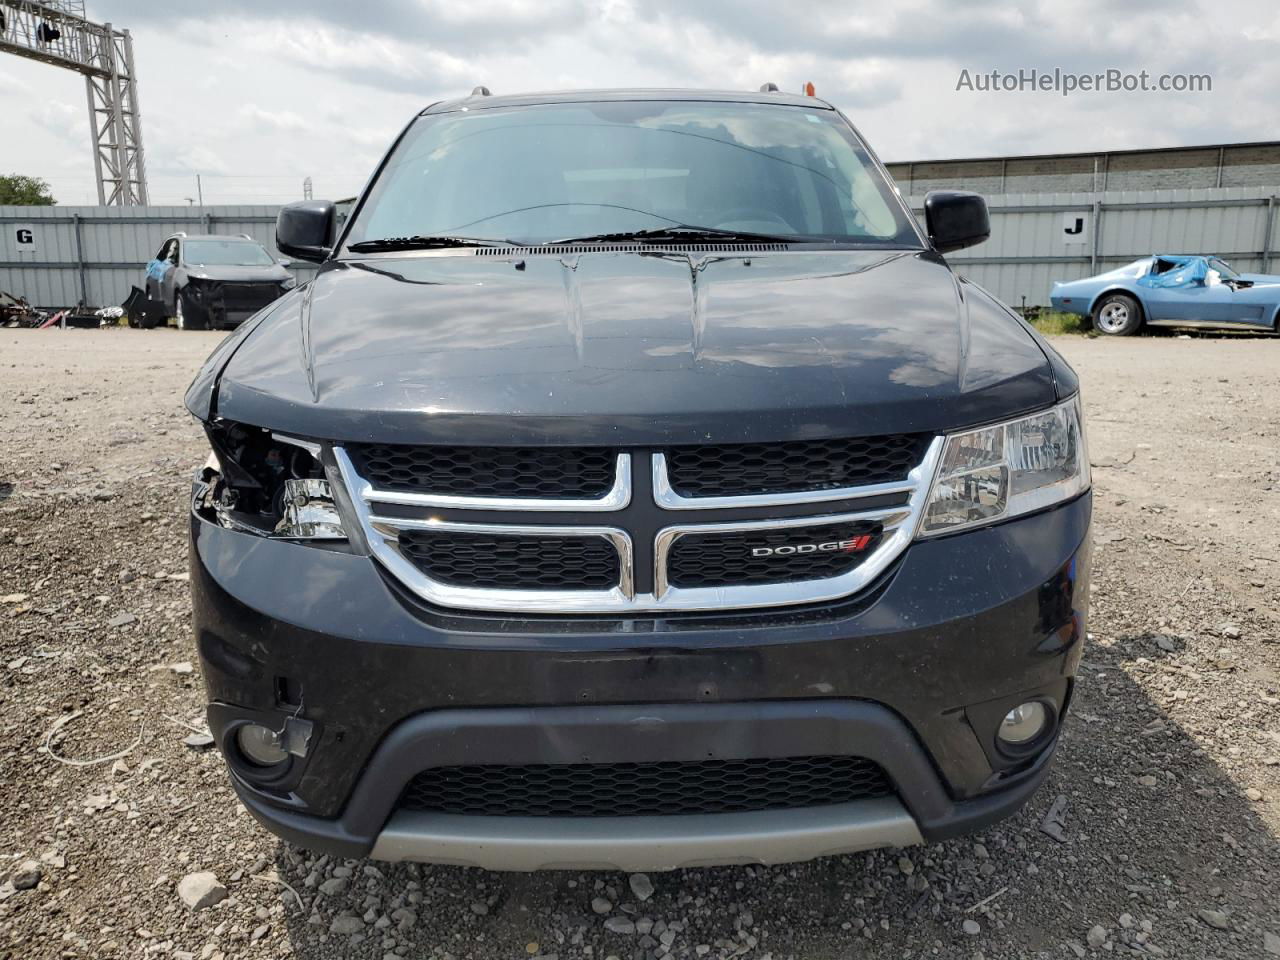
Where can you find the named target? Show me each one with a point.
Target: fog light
(1024, 723)
(261, 745)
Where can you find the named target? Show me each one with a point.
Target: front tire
(183, 314)
(1117, 315)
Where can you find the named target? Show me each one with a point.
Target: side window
(173, 252)
(164, 250)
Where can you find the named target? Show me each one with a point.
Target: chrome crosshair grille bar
(897, 525)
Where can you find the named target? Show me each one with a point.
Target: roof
(1089, 153)
(599, 96)
(214, 236)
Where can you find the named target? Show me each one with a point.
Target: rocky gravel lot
(119, 836)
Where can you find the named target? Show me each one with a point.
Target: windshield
(1222, 268)
(226, 253)
(535, 174)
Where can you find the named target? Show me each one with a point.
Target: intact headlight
(1009, 469)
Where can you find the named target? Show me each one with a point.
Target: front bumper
(639, 734)
(914, 675)
(229, 302)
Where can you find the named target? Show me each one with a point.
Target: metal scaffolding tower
(57, 33)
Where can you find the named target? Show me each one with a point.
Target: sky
(255, 97)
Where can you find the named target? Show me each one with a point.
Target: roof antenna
(768, 88)
(481, 91)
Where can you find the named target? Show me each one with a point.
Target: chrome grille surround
(898, 523)
(384, 536)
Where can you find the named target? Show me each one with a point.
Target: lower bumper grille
(645, 789)
(786, 555)
(513, 562)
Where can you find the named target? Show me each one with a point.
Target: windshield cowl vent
(560, 249)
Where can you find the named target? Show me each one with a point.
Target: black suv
(636, 486)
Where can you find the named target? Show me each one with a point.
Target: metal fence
(62, 256)
(1038, 238)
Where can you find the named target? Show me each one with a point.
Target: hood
(1260, 278)
(261, 274)
(626, 348)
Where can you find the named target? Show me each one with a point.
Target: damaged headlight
(1008, 470)
(267, 484)
(309, 512)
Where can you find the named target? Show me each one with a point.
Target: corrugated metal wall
(1030, 246)
(1254, 165)
(96, 254)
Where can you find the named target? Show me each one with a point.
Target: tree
(23, 191)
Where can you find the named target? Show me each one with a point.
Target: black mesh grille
(249, 296)
(737, 469)
(511, 562)
(645, 789)
(800, 553)
(583, 473)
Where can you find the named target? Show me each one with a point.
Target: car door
(156, 270)
(1192, 293)
(1247, 304)
(170, 276)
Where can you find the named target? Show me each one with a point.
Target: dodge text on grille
(852, 545)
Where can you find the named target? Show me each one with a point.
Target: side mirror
(304, 230)
(955, 220)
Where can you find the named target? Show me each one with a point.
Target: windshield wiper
(422, 243)
(686, 232)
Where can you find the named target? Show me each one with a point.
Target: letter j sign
(1075, 228)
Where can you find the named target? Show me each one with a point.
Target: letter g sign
(24, 235)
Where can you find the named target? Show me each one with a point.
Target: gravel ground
(1169, 770)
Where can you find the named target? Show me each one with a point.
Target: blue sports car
(1172, 291)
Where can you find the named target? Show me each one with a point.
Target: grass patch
(1052, 322)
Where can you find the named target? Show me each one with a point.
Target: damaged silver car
(214, 282)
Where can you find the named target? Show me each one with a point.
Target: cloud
(202, 159)
(266, 95)
(68, 123)
(271, 120)
(438, 23)
(362, 59)
(12, 84)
